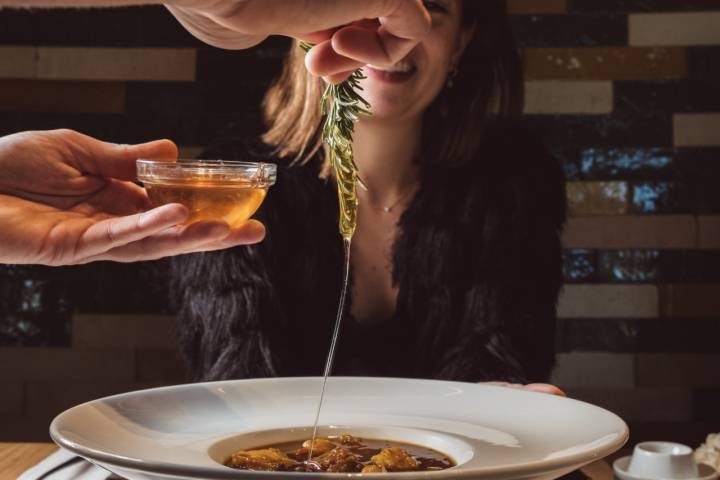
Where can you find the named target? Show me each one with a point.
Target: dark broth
(349, 457)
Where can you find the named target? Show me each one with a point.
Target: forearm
(74, 3)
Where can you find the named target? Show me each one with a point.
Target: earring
(451, 78)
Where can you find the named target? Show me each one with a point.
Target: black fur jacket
(477, 263)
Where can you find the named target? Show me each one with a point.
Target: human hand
(533, 387)
(66, 198)
(348, 33)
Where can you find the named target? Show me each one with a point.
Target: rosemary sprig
(342, 106)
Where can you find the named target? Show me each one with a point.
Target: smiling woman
(456, 257)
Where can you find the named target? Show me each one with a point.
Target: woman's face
(407, 89)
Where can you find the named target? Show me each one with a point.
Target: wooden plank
(61, 96)
(605, 63)
(15, 458)
(632, 231)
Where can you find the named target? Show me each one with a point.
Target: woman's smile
(405, 90)
(398, 73)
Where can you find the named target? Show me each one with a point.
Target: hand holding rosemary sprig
(342, 106)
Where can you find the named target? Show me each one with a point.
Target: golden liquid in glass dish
(234, 202)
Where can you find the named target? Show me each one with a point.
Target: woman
(456, 260)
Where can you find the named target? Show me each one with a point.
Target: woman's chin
(391, 104)
(389, 111)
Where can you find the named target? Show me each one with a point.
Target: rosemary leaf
(342, 106)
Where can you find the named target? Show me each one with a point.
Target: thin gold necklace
(390, 208)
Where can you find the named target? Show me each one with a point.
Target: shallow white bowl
(183, 432)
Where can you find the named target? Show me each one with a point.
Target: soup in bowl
(343, 449)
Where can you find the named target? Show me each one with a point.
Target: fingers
(249, 233)
(317, 37)
(112, 160)
(118, 161)
(545, 388)
(198, 237)
(403, 18)
(323, 61)
(114, 232)
(375, 46)
(505, 384)
(219, 31)
(533, 387)
(400, 24)
(338, 78)
(116, 199)
(351, 47)
(170, 241)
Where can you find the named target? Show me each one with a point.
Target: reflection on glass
(624, 163)
(578, 265)
(34, 309)
(629, 266)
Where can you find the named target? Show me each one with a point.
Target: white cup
(663, 460)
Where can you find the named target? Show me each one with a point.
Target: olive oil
(333, 344)
(233, 202)
(347, 180)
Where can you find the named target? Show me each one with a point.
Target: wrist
(75, 3)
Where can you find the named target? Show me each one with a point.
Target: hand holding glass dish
(211, 189)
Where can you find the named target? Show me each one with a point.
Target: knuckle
(110, 233)
(64, 132)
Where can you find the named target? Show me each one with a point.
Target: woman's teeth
(400, 67)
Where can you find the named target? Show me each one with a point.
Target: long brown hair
(488, 83)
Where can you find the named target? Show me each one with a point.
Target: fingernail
(256, 229)
(164, 146)
(151, 143)
(254, 232)
(248, 233)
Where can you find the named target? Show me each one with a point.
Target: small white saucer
(620, 466)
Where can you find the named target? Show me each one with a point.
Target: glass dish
(210, 189)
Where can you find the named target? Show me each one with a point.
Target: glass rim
(218, 164)
(171, 170)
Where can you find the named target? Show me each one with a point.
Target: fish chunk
(266, 460)
(395, 460)
(338, 460)
(321, 446)
(349, 440)
(373, 468)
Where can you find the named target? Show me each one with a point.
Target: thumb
(113, 160)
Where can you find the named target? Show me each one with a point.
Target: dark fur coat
(477, 263)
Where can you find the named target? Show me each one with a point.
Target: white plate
(183, 432)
